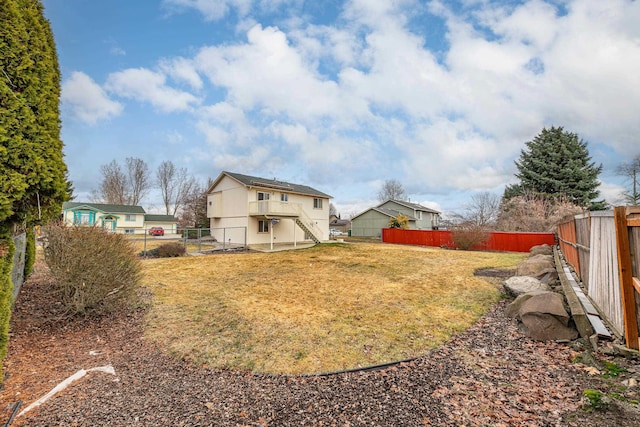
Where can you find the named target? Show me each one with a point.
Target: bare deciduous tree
(138, 180)
(483, 209)
(120, 187)
(332, 210)
(194, 210)
(175, 185)
(113, 187)
(631, 171)
(392, 190)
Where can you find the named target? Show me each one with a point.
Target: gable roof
(410, 205)
(103, 207)
(254, 181)
(385, 211)
(160, 218)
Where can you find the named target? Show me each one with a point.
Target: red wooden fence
(498, 241)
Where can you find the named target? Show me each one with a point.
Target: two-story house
(371, 222)
(244, 208)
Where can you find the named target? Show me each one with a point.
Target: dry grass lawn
(326, 308)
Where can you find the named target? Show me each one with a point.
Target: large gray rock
(541, 250)
(513, 309)
(518, 285)
(544, 318)
(540, 266)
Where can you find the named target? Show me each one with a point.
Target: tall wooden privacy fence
(498, 241)
(604, 250)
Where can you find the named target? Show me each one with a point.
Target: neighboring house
(255, 210)
(342, 225)
(125, 219)
(371, 222)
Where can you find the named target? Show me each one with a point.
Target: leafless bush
(94, 271)
(468, 235)
(534, 213)
(171, 250)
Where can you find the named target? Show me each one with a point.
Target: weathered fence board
(583, 245)
(568, 241)
(612, 267)
(604, 284)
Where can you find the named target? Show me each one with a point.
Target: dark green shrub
(6, 289)
(94, 271)
(171, 250)
(30, 254)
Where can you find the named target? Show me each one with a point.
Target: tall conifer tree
(33, 182)
(556, 164)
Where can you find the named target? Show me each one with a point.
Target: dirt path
(489, 375)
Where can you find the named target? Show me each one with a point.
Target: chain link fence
(195, 240)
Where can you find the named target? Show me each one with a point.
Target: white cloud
(612, 193)
(145, 85)
(182, 70)
(270, 75)
(174, 137)
(118, 51)
(87, 100)
(212, 10)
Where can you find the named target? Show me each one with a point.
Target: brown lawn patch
(330, 307)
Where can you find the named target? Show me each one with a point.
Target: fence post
(626, 278)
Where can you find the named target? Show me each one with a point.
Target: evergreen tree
(556, 164)
(33, 183)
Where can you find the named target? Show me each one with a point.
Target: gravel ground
(489, 375)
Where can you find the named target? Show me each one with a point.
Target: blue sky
(343, 95)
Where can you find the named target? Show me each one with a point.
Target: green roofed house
(125, 219)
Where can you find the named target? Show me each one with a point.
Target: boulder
(540, 266)
(544, 318)
(541, 250)
(513, 309)
(518, 285)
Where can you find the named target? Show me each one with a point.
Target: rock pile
(540, 311)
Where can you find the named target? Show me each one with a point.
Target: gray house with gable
(371, 222)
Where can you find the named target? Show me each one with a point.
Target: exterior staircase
(308, 226)
(275, 209)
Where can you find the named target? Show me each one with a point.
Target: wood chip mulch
(490, 375)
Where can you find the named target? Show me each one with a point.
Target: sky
(344, 95)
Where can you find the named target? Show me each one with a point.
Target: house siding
(369, 224)
(427, 221)
(228, 207)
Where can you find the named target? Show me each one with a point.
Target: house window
(130, 218)
(129, 231)
(284, 198)
(263, 226)
(317, 203)
(84, 218)
(419, 214)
